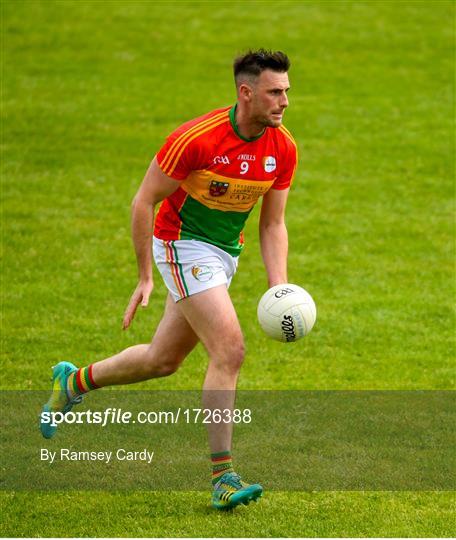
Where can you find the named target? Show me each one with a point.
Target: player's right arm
(155, 187)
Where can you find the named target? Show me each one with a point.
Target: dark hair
(253, 63)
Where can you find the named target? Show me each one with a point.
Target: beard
(265, 121)
(273, 122)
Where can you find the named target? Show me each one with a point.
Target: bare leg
(172, 342)
(213, 318)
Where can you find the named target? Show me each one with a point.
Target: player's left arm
(274, 235)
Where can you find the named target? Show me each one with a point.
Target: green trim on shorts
(181, 272)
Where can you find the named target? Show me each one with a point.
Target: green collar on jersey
(236, 129)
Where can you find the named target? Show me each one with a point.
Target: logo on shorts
(216, 189)
(269, 163)
(202, 273)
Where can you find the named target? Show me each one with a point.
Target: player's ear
(245, 92)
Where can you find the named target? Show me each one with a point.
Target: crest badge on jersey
(269, 163)
(216, 189)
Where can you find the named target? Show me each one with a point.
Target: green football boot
(230, 491)
(59, 400)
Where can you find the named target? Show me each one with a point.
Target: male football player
(208, 175)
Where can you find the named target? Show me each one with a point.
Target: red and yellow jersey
(223, 175)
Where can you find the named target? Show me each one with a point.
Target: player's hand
(140, 296)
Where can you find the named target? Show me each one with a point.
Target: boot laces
(234, 480)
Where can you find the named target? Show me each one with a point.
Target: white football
(286, 312)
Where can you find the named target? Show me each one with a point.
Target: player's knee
(168, 368)
(160, 370)
(239, 352)
(160, 367)
(232, 355)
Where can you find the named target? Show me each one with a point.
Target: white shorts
(191, 266)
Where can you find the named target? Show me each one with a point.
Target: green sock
(81, 381)
(221, 464)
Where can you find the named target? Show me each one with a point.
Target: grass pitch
(90, 90)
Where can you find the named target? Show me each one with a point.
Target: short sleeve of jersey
(287, 166)
(180, 155)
